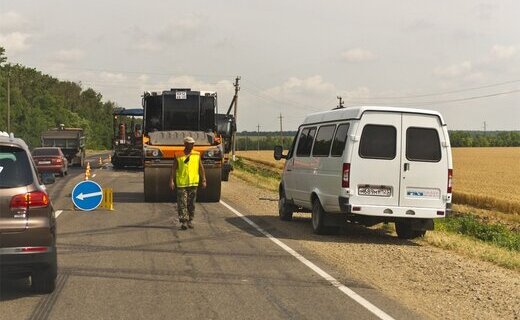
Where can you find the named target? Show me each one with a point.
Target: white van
(369, 165)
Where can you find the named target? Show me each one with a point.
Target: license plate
(44, 162)
(377, 191)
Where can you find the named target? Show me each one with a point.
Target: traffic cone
(88, 166)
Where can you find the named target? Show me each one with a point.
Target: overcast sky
(461, 58)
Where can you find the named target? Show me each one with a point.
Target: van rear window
(305, 142)
(323, 141)
(339, 140)
(378, 142)
(422, 144)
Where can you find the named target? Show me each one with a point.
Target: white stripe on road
(57, 213)
(346, 290)
(94, 175)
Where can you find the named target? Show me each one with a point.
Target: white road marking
(82, 196)
(94, 175)
(346, 290)
(57, 213)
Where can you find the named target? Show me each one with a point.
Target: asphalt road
(135, 263)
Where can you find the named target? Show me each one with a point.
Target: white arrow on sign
(82, 196)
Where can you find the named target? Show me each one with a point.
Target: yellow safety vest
(187, 174)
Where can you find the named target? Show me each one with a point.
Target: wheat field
(482, 177)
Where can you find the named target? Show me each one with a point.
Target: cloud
(419, 25)
(112, 77)
(12, 22)
(14, 42)
(358, 55)
(455, 70)
(69, 55)
(504, 52)
(311, 86)
(181, 29)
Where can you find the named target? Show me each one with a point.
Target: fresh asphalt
(135, 263)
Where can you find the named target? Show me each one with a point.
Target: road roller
(169, 117)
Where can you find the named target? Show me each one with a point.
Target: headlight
(215, 152)
(152, 153)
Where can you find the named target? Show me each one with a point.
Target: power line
(448, 92)
(463, 99)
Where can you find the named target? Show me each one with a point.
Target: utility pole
(235, 100)
(340, 105)
(258, 137)
(8, 100)
(485, 127)
(281, 129)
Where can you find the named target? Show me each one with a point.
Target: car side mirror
(278, 153)
(48, 178)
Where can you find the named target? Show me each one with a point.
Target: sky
(461, 58)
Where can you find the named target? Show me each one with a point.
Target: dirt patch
(435, 283)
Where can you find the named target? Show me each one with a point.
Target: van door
(424, 170)
(376, 160)
(304, 167)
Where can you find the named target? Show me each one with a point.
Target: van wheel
(285, 210)
(404, 231)
(318, 219)
(43, 280)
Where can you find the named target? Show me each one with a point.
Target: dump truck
(127, 142)
(169, 117)
(70, 140)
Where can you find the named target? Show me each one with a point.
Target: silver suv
(27, 220)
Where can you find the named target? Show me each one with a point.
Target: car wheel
(285, 210)
(43, 280)
(318, 219)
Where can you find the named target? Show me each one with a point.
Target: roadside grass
(473, 248)
(463, 232)
(468, 225)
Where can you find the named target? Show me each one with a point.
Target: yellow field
(482, 177)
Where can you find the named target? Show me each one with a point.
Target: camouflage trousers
(186, 203)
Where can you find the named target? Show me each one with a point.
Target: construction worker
(187, 171)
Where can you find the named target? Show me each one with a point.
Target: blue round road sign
(87, 195)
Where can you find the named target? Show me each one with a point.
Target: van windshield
(15, 168)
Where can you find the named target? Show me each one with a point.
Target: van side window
(422, 144)
(339, 140)
(323, 141)
(378, 142)
(305, 142)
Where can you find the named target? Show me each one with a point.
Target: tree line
(262, 141)
(40, 102)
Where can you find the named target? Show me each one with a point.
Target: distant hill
(40, 102)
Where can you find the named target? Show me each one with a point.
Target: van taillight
(57, 161)
(450, 179)
(30, 200)
(345, 179)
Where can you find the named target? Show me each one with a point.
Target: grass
(493, 233)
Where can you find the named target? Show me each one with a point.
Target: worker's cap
(189, 140)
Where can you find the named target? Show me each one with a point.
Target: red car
(50, 160)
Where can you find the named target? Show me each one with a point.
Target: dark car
(27, 219)
(50, 160)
